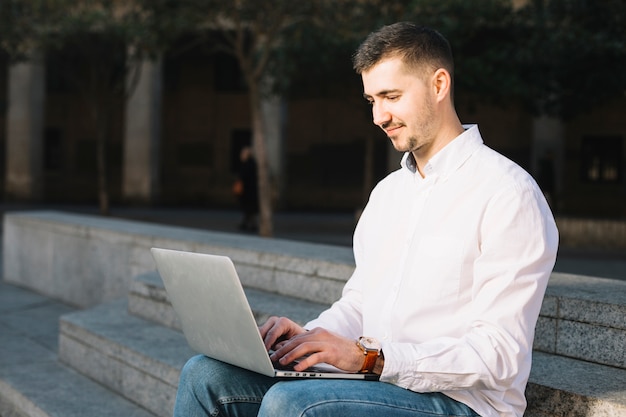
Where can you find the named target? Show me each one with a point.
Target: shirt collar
(451, 156)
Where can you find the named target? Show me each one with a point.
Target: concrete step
(137, 346)
(581, 317)
(142, 360)
(148, 299)
(560, 386)
(33, 383)
(131, 356)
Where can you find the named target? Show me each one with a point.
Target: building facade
(177, 138)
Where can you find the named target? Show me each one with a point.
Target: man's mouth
(391, 130)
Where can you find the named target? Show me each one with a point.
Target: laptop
(216, 318)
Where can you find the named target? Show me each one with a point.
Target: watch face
(369, 343)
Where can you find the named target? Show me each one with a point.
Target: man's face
(402, 105)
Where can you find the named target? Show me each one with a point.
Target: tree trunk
(100, 123)
(266, 227)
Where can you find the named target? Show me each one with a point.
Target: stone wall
(86, 260)
(592, 233)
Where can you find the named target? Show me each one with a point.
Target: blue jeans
(212, 388)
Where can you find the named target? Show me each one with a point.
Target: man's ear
(442, 83)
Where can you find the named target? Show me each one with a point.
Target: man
(453, 254)
(249, 193)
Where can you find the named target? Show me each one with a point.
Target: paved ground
(328, 228)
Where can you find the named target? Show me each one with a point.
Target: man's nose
(380, 115)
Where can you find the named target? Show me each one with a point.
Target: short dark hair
(419, 47)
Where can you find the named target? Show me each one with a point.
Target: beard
(423, 131)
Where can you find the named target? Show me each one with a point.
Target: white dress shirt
(450, 275)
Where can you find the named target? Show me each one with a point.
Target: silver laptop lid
(207, 295)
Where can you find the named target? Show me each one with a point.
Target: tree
(267, 38)
(253, 32)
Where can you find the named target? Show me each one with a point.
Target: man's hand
(277, 330)
(292, 342)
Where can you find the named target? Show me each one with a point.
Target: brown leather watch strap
(369, 361)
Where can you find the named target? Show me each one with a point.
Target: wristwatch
(371, 349)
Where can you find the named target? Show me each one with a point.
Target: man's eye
(393, 98)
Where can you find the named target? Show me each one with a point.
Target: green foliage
(559, 57)
(483, 42)
(21, 24)
(250, 30)
(575, 54)
(316, 60)
(145, 26)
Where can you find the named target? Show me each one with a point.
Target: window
(602, 159)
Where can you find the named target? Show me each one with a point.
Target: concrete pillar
(25, 127)
(143, 135)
